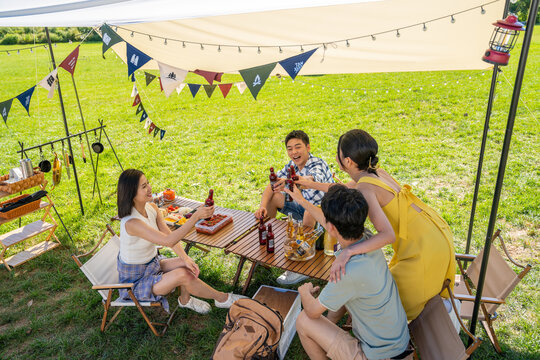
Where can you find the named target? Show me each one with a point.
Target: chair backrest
(500, 279)
(434, 334)
(101, 267)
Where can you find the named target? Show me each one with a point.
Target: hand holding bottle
(305, 181)
(296, 194)
(204, 212)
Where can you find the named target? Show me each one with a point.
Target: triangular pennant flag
(4, 109)
(70, 62)
(209, 89)
(139, 109)
(293, 64)
(180, 88)
(156, 130)
(162, 134)
(144, 116)
(210, 76)
(133, 77)
(25, 98)
(151, 127)
(241, 87)
(149, 78)
(170, 77)
(109, 37)
(48, 82)
(147, 123)
(160, 84)
(194, 88)
(134, 91)
(255, 77)
(135, 58)
(137, 100)
(225, 88)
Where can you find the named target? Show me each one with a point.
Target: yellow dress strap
(376, 182)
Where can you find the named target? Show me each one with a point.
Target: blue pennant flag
(144, 116)
(25, 98)
(194, 88)
(162, 134)
(294, 64)
(133, 77)
(135, 58)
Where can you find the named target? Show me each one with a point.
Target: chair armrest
(113, 286)
(465, 257)
(489, 300)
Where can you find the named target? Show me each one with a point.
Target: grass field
(428, 136)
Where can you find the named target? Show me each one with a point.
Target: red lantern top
(511, 23)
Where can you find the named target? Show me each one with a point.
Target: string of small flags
(461, 80)
(171, 77)
(148, 124)
(347, 42)
(48, 83)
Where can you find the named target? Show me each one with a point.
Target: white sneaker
(197, 305)
(289, 278)
(230, 300)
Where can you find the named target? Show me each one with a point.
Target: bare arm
(162, 226)
(315, 211)
(311, 305)
(308, 183)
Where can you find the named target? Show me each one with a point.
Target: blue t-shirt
(371, 297)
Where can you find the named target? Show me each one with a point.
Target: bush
(10, 39)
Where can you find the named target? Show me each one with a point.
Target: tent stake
(533, 12)
(65, 122)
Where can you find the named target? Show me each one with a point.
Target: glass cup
(330, 244)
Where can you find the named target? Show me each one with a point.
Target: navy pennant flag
(294, 64)
(194, 88)
(135, 58)
(139, 109)
(144, 116)
(4, 109)
(162, 134)
(25, 98)
(255, 77)
(149, 78)
(109, 37)
(209, 89)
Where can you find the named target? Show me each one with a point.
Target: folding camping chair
(100, 269)
(500, 280)
(434, 334)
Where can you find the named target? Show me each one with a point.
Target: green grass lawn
(429, 137)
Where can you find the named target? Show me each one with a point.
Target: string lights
(18, 50)
(347, 42)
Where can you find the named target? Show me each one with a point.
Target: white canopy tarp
(160, 28)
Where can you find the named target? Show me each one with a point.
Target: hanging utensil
(66, 160)
(56, 170)
(44, 164)
(97, 146)
(82, 150)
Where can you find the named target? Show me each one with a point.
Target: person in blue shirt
(305, 166)
(367, 292)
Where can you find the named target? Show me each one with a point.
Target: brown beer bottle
(209, 200)
(288, 183)
(270, 240)
(294, 177)
(262, 232)
(273, 178)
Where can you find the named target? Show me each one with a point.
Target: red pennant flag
(137, 100)
(70, 62)
(210, 76)
(225, 88)
(160, 84)
(151, 128)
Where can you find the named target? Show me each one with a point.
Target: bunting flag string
(70, 61)
(225, 88)
(210, 76)
(149, 77)
(209, 90)
(109, 37)
(148, 124)
(25, 97)
(5, 106)
(135, 58)
(194, 88)
(170, 77)
(256, 77)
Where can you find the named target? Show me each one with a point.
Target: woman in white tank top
(142, 229)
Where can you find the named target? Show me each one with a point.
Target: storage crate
(287, 303)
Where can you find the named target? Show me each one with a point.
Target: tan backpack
(252, 331)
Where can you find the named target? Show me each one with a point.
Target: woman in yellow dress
(422, 241)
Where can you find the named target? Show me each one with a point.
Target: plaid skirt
(143, 276)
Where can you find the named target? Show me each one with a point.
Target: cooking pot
(97, 147)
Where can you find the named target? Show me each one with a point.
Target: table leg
(239, 271)
(188, 246)
(250, 275)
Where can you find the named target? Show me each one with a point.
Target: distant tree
(521, 9)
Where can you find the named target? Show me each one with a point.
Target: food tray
(212, 226)
(21, 210)
(35, 180)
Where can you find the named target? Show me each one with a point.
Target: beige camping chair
(434, 334)
(100, 269)
(500, 280)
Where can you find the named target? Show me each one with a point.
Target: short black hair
(128, 185)
(346, 209)
(297, 134)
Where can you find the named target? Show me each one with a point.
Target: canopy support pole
(65, 122)
(533, 12)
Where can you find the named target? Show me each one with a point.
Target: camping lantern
(503, 40)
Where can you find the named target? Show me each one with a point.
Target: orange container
(169, 195)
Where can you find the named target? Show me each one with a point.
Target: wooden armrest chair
(434, 335)
(101, 270)
(500, 280)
